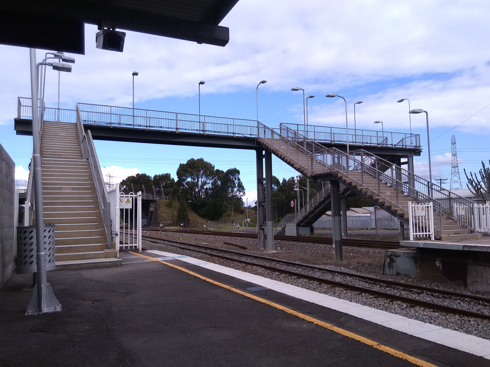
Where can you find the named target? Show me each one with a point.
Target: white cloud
(21, 173)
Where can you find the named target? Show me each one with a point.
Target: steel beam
(336, 219)
(343, 203)
(268, 201)
(260, 198)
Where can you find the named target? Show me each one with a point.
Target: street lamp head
(401, 100)
(331, 95)
(359, 102)
(201, 82)
(135, 73)
(59, 66)
(310, 96)
(417, 110)
(378, 122)
(263, 81)
(68, 59)
(295, 89)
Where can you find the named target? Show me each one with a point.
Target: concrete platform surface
(180, 311)
(482, 245)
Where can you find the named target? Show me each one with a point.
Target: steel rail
(426, 304)
(317, 240)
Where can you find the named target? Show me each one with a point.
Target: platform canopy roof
(59, 24)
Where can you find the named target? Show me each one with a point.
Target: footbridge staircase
(386, 185)
(74, 197)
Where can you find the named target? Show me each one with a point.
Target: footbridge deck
(163, 127)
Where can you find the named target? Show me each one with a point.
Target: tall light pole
(296, 89)
(417, 111)
(332, 95)
(135, 73)
(43, 299)
(355, 125)
(382, 129)
(199, 96)
(310, 96)
(409, 112)
(257, 97)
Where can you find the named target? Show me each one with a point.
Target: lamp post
(409, 112)
(417, 111)
(60, 56)
(43, 299)
(355, 125)
(296, 89)
(257, 97)
(135, 73)
(199, 96)
(382, 130)
(332, 95)
(310, 96)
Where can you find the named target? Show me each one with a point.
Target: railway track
(318, 240)
(410, 294)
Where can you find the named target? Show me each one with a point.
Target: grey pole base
(49, 302)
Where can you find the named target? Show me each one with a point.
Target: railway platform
(164, 309)
(465, 263)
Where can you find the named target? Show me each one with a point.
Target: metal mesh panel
(26, 249)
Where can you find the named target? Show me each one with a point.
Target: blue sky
(433, 52)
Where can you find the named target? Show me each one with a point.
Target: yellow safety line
(384, 348)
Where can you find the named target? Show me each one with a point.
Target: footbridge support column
(260, 199)
(343, 203)
(268, 202)
(336, 219)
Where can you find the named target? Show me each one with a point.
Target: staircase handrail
(29, 195)
(337, 160)
(312, 203)
(422, 185)
(90, 154)
(263, 131)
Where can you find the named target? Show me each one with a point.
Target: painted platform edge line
(473, 344)
(338, 330)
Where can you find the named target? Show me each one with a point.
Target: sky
(433, 52)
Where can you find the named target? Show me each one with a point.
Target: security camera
(110, 39)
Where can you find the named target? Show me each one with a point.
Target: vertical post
(260, 198)
(411, 181)
(43, 299)
(343, 203)
(139, 220)
(336, 223)
(268, 201)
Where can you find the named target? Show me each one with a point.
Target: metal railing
(416, 186)
(92, 114)
(360, 171)
(24, 111)
(337, 135)
(89, 153)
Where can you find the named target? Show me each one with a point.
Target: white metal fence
(126, 219)
(421, 220)
(481, 218)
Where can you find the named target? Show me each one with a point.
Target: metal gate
(421, 219)
(126, 219)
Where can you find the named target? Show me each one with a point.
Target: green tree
(234, 190)
(195, 179)
(138, 182)
(182, 212)
(165, 185)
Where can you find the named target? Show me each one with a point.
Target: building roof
(59, 25)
